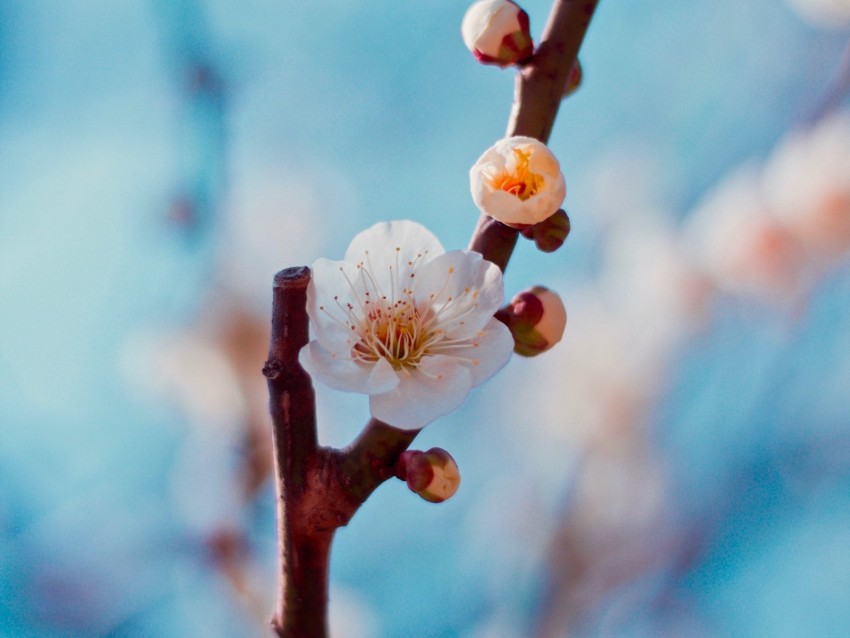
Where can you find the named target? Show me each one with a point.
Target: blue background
(285, 128)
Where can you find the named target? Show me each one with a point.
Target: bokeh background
(678, 466)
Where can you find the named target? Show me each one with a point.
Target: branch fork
(319, 489)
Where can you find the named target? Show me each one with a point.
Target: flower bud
(550, 234)
(518, 182)
(574, 79)
(536, 318)
(433, 475)
(496, 31)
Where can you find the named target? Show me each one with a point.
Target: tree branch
(304, 553)
(320, 489)
(538, 94)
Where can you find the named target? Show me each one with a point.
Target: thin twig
(320, 489)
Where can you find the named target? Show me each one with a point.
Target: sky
(679, 464)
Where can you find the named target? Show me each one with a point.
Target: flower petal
(489, 352)
(463, 288)
(388, 249)
(437, 387)
(332, 287)
(337, 372)
(383, 377)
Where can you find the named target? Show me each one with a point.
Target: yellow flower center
(520, 182)
(391, 325)
(396, 332)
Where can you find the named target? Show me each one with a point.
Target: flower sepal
(550, 234)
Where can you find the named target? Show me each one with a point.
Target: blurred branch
(538, 94)
(837, 89)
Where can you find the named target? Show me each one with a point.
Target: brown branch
(320, 489)
(537, 95)
(304, 554)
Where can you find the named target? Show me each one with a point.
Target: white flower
(405, 322)
(737, 241)
(518, 182)
(807, 183)
(496, 31)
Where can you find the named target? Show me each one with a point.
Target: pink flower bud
(536, 318)
(550, 234)
(574, 79)
(433, 475)
(496, 31)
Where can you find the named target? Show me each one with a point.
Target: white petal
(331, 279)
(439, 386)
(339, 372)
(387, 248)
(382, 378)
(459, 283)
(488, 353)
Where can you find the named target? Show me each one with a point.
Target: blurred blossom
(192, 372)
(653, 284)
(625, 178)
(271, 223)
(741, 245)
(599, 380)
(834, 14)
(210, 372)
(807, 183)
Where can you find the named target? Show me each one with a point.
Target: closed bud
(433, 475)
(496, 31)
(550, 234)
(537, 318)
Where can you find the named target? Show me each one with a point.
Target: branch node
(272, 369)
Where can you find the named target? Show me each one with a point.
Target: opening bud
(550, 234)
(433, 475)
(496, 31)
(536, 318)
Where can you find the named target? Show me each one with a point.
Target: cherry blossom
(408, 324)
(518, 182)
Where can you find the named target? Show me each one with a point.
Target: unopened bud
(574, 79)
(496, 31)
(537, 318)
(550, 234)
(433, 475)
